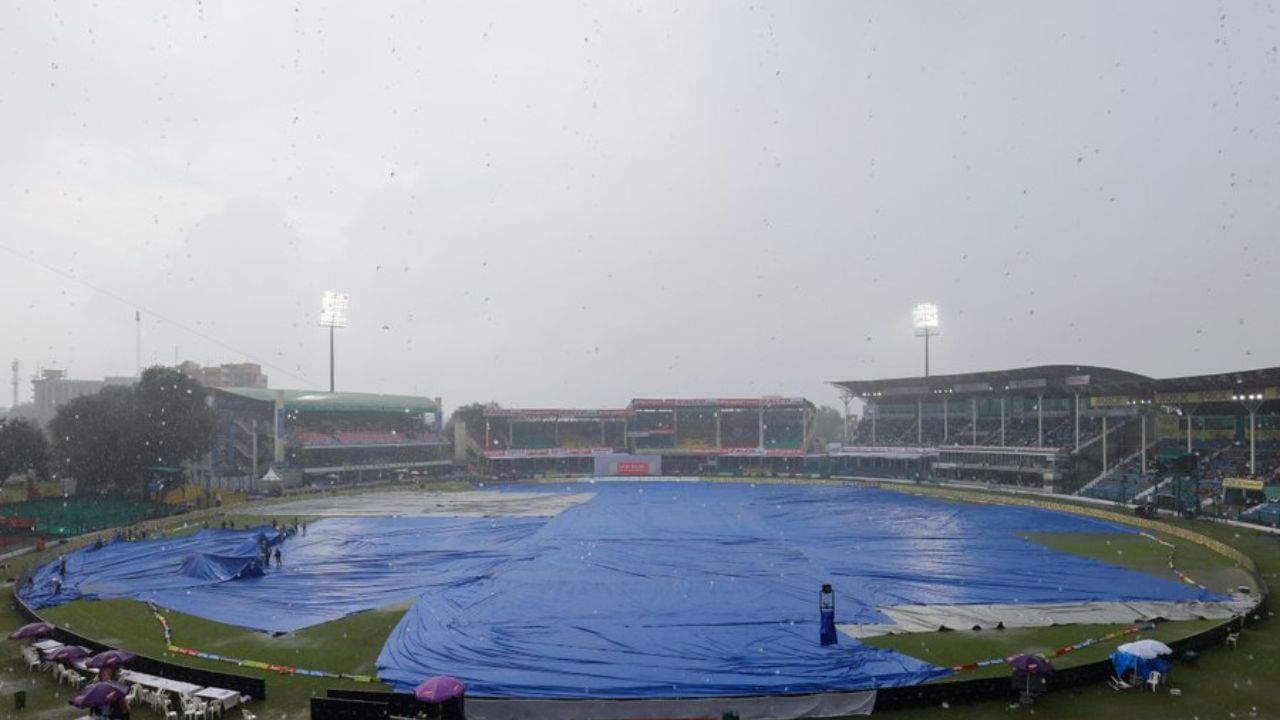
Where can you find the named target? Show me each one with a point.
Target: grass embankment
(950, 648)
(349, 645)
(1227, 683)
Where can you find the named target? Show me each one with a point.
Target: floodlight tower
(925, 319)
(333, 315)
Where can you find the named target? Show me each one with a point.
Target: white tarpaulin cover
(931, 618)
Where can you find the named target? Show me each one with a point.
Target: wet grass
(1226, 683)
(350, 645)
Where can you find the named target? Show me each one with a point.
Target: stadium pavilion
(1068, 428)
(684, 436)
(303, 435)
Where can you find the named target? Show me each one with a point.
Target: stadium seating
(80, 514)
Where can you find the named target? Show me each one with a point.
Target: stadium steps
(1103, 477)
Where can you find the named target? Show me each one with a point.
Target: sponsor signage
(552, 414)
(1204, 396)
(1244, 484)
(1027, 384)
(1075, 380)
(766, 452)
(547, 453)
(632, 468)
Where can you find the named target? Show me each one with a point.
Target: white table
(158, 683)
(46, 646)
(228, 698)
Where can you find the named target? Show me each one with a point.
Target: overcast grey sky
(556, 204)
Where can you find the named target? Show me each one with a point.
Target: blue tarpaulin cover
(648, 589)
(1124, 663)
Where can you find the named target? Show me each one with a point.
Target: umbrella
(69, 653)
(99, 693)
(1030, 664)
(35, 629)
(1146, 649)
(109, 658)
(439, 689)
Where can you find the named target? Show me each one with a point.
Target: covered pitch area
(635, 590)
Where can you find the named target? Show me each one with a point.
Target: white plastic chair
(247, 715)
(1153, 680)
(213, 709)
(1233, 639)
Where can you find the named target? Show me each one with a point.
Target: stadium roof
(1041, 377)
(753, 402)
(1085, 379)
(311, 401)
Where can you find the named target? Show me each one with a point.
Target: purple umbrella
(109, 658)
(1030, 664)
(99, 693)
(35, 629)
(439, 689)
(69, 653)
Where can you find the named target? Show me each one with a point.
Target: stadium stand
(79, 514)
(1080, 428)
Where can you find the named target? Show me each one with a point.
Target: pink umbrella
(439, 689)
(109, 657)
(35, 629)
(69, 653)
(99, 693)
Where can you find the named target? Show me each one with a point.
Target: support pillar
(1077, 422)
(920, 414)
(946, 433)
(1143, 419)
(1002, 442)
(761, 445)
(254, 425)
(1253, 448)
(1104, 443)
(1040, 420)
(873, 409)
(973, 404)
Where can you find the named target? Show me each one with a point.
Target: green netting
(80, 514)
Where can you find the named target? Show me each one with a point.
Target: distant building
(53, 389)
(239, 375)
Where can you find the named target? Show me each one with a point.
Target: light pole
(925, 319)
(333, 315)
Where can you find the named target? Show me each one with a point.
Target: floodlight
(925, 319)
(333, 309)
(333, 314)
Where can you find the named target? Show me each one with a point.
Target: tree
(471, 415)
(95, 441)
(23, 449)
(108, 441)
(828, 425)
(173, 417)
